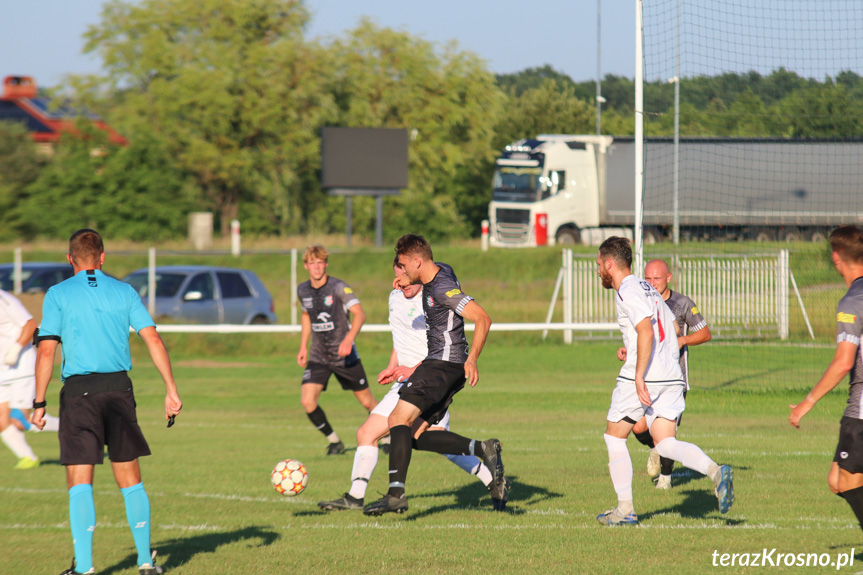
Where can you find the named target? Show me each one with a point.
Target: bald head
(657, 274)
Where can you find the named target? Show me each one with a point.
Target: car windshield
(167, 285)
(7, 279)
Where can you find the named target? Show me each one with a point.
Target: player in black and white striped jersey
(691, 330)
(846, 473)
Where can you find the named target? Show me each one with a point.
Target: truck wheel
(792, 235)
(817, 237)
(567, 237)
(763, 235)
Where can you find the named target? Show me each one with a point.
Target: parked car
(206, 294)
(36, 277)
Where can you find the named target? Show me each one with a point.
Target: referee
(90, 314)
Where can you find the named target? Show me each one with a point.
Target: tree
(548, 109)
(20, 165)
(449, 104)
(231, 88)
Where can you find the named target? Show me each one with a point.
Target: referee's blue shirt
(91, 314)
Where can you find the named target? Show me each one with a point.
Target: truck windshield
(517, 183)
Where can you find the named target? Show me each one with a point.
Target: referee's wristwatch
(39, 404)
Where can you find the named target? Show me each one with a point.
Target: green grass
(215, 512)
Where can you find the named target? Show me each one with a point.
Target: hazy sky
(43, 38)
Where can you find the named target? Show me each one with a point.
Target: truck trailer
(580, 189)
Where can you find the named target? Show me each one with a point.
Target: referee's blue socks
(82, 519)
(138, 515)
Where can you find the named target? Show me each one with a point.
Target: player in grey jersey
(691, 330)
(449, 364)
(846, 473)
(327, 304)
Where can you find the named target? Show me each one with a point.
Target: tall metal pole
(598, 67)
(676, 180)
(639, 139)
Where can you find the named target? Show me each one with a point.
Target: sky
(43, 38)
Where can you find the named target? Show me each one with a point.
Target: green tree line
(222, 103)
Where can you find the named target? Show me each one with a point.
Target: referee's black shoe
(336, 448)
(388, 504)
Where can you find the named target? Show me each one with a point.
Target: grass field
(215, 512)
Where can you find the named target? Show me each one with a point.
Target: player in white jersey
(692, 329)
(410, 347)
(650, 384)
(846, 473)
(18, 379)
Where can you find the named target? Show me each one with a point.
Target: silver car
(207, 294)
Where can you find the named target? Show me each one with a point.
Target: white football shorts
(666, 402)
(18, 393)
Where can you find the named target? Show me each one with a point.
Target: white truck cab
(547, 190)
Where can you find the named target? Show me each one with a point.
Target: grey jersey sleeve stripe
(460, 307)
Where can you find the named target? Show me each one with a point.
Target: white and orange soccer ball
(290, 477)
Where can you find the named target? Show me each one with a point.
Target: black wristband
(39, 404)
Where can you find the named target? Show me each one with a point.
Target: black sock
(666, 465)
(400, 458)
(319, 420)
(645, 438)
(445, 442)
(854, 497)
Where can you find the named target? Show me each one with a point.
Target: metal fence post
(568, 293)
(151, 282)
(294, 285)
(782, 293)
(16, 275)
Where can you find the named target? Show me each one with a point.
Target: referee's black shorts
(432, 387)
(97, 410)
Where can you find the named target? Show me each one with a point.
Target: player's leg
(620, 470)
(690, 455)
(642, 434)
(310, 393)
(21, 408)
(365, 461)
(400, 422)
(851, 490)
(11, 435)
(470, 464)
(128, 477)
(82, 514)
(366, 399)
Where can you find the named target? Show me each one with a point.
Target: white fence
(737, 294)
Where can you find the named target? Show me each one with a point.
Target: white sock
(333, 437)
(15, 440)
(51, 424)
(365, 460)
(471, 464)
(689, 454)
(620, 468)
(385, 440)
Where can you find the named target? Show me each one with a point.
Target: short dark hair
(85, 246)
(617, 248)
(412, 244)
(847, 241)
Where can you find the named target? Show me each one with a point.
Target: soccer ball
(290, 477)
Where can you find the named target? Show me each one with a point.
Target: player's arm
(25, 337)
(703, 335)
(473, 312)
(44, 371)
(386, 376)
(644, 329)
(305, 334)
(358, 318)
(162, 361)
(843, 361)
